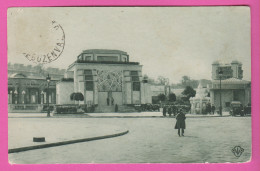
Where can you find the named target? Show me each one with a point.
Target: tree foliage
(77, 96)
(172, 97)
(163, 80)
(188, 93)
(161, 97)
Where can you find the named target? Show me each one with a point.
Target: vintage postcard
(129, 85)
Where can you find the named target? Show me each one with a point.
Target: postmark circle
(52, 48)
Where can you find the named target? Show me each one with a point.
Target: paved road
(151, 140)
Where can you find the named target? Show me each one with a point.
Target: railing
(29, 107)
(24, 107)
(107, 62)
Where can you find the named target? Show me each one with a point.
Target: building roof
(109, 51)
(17, 75)
(231, 81)
(235, 62)
(215, 63)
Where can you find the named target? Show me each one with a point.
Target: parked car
(236, 108)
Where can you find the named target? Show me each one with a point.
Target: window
(89, 85)
(227, 104)
(236, 95)
(135, 78)
(88, 77)
(86, 57)
(88, 72)
(136, 86)
(133, 72)
(107, 58)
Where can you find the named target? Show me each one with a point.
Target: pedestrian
(208, 108)
(112, 101)
(170, 111)
(108, 101)
(213, 109)
(164, 111)
(180, 123)
(174, 110)
(241, 110)
(116, 108)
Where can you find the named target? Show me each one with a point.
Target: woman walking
(180, 123)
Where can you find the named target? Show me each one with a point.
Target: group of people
(110, 101)
(172, 110)
(210, 109)
(150, 107)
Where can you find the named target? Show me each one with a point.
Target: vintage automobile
(236, 108)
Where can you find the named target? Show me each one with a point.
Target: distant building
(155, 90)
(233, 88)
(27, 87)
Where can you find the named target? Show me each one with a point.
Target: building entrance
(110, 99)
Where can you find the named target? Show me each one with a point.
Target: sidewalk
(106, 115)
(56, 132)
(147, 114)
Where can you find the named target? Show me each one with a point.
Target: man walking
(213, 109)
(180, 123)
(164, 111)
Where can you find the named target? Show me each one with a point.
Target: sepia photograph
(129, 85)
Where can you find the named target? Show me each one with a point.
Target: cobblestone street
(150, 140)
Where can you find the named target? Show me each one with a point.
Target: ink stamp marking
(56, 42)
(237, 151)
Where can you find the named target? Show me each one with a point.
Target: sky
(167, 41)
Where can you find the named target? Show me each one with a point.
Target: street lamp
(48, 79)
(16, 94)
(220, 73)
(23, 93)
(42, 97)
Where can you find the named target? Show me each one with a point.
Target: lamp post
(42, 97)
(11, 97)
(48, 79)
(16, 98)
(220, 73)
(23, 93)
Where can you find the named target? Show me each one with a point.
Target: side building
(233, 87)
(27, 87)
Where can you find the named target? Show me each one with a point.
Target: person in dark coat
(213, 109)
(208, 108)
(170, 111)
(108, 101)
(180, 123)
(164, 111)
(116, 108)
(112, 101)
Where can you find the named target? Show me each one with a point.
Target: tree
(162, 97)
(149, 80)
(77, 97)
(185, 80)
(172, 97)
(162, 80)
(188, 93)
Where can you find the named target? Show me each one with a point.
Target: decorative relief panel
(109, 80)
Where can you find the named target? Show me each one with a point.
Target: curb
(21, 149)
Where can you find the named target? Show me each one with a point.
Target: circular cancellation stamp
(52, 45)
